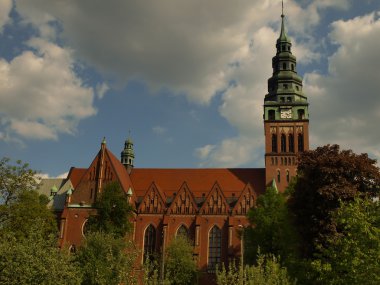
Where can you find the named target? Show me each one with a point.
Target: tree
(267, 271)
(326, 176)
(26, 211)
(35, 260)
(352, 257)
(105, 259)
(113, 212)
(14, 179)
(180, 267)
(272, 228)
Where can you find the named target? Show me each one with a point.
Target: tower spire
(283, 37)
(128, 155)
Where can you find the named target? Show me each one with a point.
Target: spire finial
(282, 14)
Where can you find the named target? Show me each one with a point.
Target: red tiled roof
(121, 171)
(75, 175)
(231, 180)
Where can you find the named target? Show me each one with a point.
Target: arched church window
(291, 143)
(149, 242)
(300, 142)
(287, 176)
(271, 115)
(182, 231)
(292, 67)
(214, 248)
(278, 176)
(284, 65)
(283, 143)
(274, 143)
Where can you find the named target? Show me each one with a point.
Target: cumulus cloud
(344, 104)
(196, 48)
(185, 46)
(40, 94)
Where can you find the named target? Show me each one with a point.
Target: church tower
(128, 155)
(286, 115)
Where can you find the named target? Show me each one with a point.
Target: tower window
(276, 160)
(284, 65)
(289, 99)
(286, 86)
(282, 99)
(283, 143)
(214, 248)
(149, 242)
(274, 143)
(300, 142)
(283, 48)
(278, 176)
(301, 114)
(287, 176)
(291, 143)
(271, 115)
(297, 88)
(286, 160)
(292, 67)
(272, 161)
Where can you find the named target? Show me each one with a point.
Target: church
(207, 205)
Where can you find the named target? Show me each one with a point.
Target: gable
(246, 201)
(183, 203)
(215, 203)
(153, 202)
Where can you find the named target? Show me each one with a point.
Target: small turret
(128, 155)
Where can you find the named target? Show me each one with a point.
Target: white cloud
(101, 89)
(40, 94)
(345, 103)
(185, 46)
(204, 151)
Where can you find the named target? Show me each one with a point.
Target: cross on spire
(282, 2)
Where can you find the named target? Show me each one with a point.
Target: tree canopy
(327, 176)
(113, 212)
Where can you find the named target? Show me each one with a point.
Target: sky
(185, 79)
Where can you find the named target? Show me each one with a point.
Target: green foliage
(353, 257)
(326, 176)
(14, 179)
(27, 210)
(272, 229)
(113, 212)
(35, 260)
(180, 267)
(267, 271)
(105, 259)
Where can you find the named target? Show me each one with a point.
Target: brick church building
(208, 205)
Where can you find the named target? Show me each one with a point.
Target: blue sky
(186, 78)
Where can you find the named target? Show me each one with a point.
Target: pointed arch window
(287, 176)
(274, 143)
(183, 231)
(291, 143)
(271, 115)
(283, 143)
(214, 248)
(149, 242)
(278, 176)
(300, 142)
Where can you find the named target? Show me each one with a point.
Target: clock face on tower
(286, 114)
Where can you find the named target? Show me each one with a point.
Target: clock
(286, 114)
